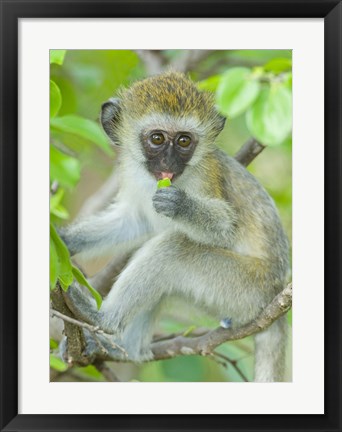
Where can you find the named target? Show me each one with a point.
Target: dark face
(168, 153)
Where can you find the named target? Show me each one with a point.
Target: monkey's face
(167, 153)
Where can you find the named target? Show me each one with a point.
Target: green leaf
(63, 168)
(83, 281)
(237, 90)
(163, 183)
(55, 99)
(56, 199)
(287, 81)
(54, 264)
(269, 120)
(53, 344)
(56, 207)
(57, 364)
(65, 274)
(57, 56)
(189, 330)
(84, 128)
(278, 65)
(209, 84)
(60, 212)
(90, 371)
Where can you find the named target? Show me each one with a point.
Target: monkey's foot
(103, 347)
(100, 347)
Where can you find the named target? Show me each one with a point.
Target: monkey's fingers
(83, 307)
(103, 347)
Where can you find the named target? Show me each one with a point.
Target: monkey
(213, 238)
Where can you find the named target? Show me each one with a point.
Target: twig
(54, 187)
(93, 329)
(233, 363)
(106, 371)
(102, 281)
(188, 60)
(103, 196)
(249, 151)
(205, 344)
(153, 60)
(74, 321)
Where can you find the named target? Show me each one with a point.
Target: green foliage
(270, 118)
(55, 99)
(60, 261)
(57, 364)
(56, 208)
(89, 373)
(57, 56)
(210, 84)
(84, 128)
(237, 90)
(66, 170)
(53, 344)
(278, 65)
(78, 275)
(264, 93)
(62, 269)
(74, 83)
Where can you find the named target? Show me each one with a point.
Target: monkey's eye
(157, 138)
(184, 141)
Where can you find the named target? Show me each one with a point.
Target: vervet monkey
(213, 237)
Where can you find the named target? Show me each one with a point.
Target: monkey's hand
(169, 201)
(83, 307)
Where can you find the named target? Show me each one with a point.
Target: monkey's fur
(214, 237)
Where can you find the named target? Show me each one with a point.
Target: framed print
(186, 217)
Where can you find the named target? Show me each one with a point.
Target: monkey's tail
(270, 350)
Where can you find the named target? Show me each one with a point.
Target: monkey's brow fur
(171, 93)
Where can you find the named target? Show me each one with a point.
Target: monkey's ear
(220, 123)
(110, 114)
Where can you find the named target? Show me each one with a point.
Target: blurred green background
(253, 89)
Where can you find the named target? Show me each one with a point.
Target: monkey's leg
(223, 282)
(135, 338)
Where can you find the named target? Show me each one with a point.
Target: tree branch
(106, 371)
(231, 362)
(76, 322)
(76, 342)
(204, 345)
(153, 60)
(93, 329)
(249, 151)
(188, 60)
(103, 196)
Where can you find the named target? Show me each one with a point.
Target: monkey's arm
(120, 224)
(206, 220)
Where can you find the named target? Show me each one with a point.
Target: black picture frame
(11, 11)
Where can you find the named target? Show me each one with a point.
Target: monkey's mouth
(163, 175)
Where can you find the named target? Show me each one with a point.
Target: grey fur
(227, 254)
